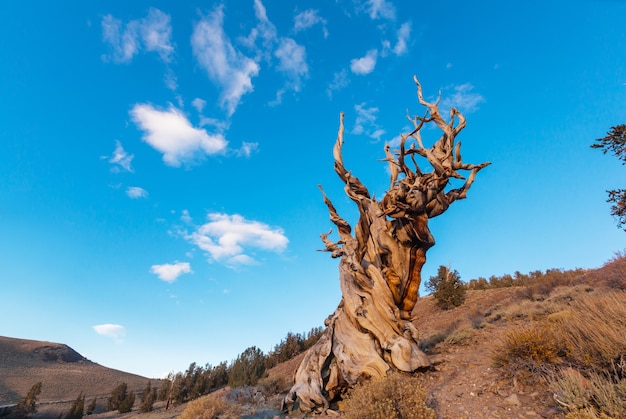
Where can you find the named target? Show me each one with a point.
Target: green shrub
(446, 288)
(396, 396)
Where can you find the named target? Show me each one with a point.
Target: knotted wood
(371, 331)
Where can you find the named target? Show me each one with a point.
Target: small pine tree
(92, 406)
(118, 394)
(615, 143)
(126, 405)
(147, 398)
(247, 368)
(446, 288)
(27, 405)
(77, 408)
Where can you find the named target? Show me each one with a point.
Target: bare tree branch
(371, 332)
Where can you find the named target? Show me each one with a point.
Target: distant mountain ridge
(63, 371)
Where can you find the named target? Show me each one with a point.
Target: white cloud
(114, 331)
(247, 149)
(463, 99)
(170, 80)
(121, 158)
(135, 192)
(340, 80)
(153, 32)
(380, 9)
(292, 61)
(403, 36)
(226, 237)
(172, 134)
(240, 260)
(170, 272)
(365, 123)
(199, 104)
(265, 29)
(156, 33)
(185, 217)
(123, 41)
(225, 66)
(308, 18)
(364, 65)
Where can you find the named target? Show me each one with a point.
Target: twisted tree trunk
(371, 331)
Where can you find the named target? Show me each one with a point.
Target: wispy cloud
(307, 19)
(170, 80)
(227, 67)
(171, 133)
(185, 217)
(463, 98)
(380, 9)
(153, 32)
(292, 61)
(227, 238)
(247, 149)
(199, 104)
(365, 123)
(170, 272)
(114, 331)
(364, 65)
(403, 36)
(121, 159)
(267, 45)
(135, 192)
(340, 81)
(265, 29)
(156, 33)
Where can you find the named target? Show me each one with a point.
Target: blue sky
(159, 161)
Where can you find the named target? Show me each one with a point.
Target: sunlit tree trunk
(371, 331)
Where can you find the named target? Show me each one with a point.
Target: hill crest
(63, 372)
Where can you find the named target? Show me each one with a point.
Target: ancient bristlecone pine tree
(371, 331)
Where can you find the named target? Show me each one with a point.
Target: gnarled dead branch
(371, 331)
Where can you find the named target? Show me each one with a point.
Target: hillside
(63, 372)
(462, 343)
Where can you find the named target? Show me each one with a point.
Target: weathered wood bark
(371, 331)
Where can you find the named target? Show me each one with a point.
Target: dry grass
(272, 385)
(394, 396)
(460, 336)
(580, 328)
(535, 348)
(596, 396)
(211, 407)
(594, 331)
